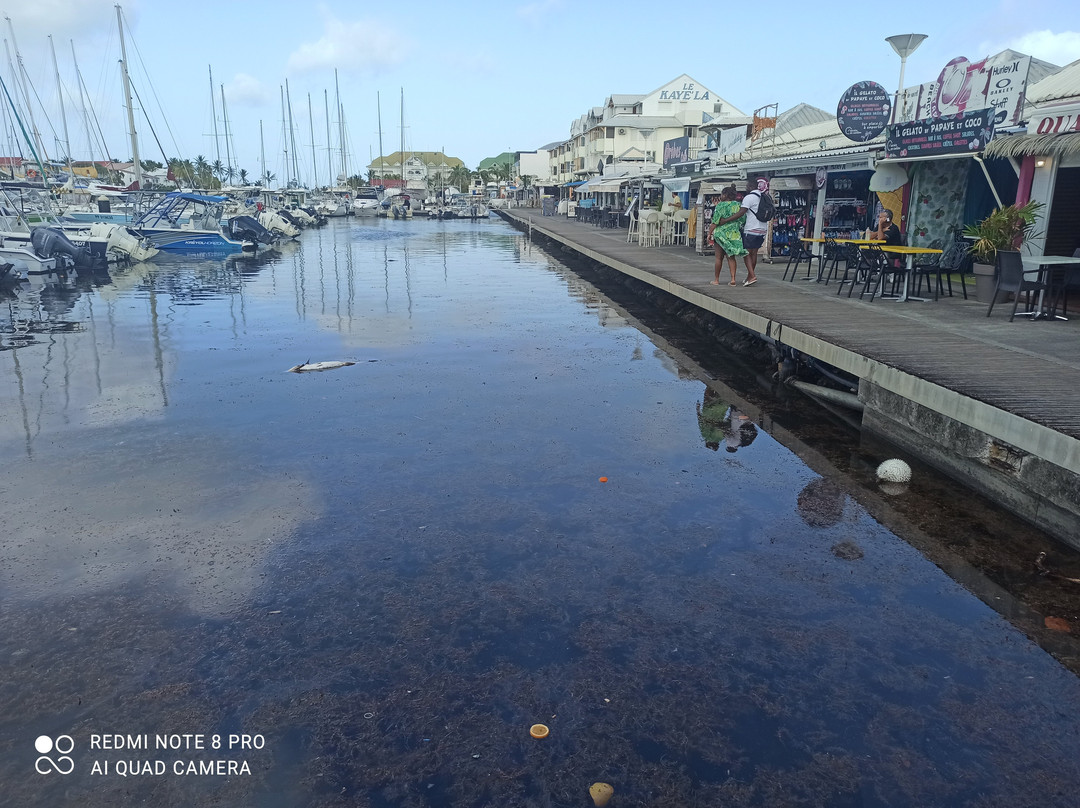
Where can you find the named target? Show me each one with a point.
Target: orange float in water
(539, 730)
(603, 479)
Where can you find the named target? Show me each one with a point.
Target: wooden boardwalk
(1029, 370)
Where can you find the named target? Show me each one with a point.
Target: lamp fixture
(904, 45)
(1040, 163)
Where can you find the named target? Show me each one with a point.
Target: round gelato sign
(863, 111)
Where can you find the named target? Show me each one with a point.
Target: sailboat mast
(284, 139)
(311, 134)
(341, 126)
(404, 184)
(213, 115)
(63, 114)
(262, 155)
(292, 134)
(225, 120)
(329, 146)
(127, 101)
(382, 159)
(25, 94)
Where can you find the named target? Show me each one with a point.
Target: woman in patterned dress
(727, 238)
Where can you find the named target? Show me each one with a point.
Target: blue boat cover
(194, 197)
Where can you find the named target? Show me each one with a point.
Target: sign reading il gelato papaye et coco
(962, 133)
(863, 111)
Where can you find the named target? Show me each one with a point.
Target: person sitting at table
(886, 230)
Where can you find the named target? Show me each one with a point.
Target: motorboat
(24, 261)
(367, 201)
(188, 222)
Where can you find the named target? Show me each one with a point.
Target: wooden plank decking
(1030, 370)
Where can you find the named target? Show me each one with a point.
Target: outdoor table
(1044, 265)
(910, 252)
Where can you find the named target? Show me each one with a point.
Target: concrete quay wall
(1029, 468)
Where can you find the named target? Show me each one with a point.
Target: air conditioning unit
(622, 131)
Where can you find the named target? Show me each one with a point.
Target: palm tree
(268, 178)
(217, 168)
(460, 177)
(229, 173)
(243, 176)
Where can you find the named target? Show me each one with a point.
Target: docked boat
(24, 261)
(367, 201)
(187, 222)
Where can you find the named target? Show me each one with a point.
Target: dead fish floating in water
(310, 366)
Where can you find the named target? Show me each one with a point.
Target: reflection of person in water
(740, 430)
(713, 419)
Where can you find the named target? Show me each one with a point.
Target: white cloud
(1057, 47)
(62, 18)
(247, 91)
(361, 45)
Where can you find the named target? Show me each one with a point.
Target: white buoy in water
(894, 471)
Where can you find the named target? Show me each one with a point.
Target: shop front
(817, 196)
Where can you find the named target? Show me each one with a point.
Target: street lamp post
(904, 45)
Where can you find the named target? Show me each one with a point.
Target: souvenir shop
(794, 198)
(817, 196)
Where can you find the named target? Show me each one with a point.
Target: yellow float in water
(539, 730)
(601, 793)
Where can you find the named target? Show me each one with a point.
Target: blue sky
(478, 78)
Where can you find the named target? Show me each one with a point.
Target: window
(582, 142)
(689, 131)
(650, 156)
(717, 108)
(610, 132)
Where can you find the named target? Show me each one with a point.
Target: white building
(633, 128)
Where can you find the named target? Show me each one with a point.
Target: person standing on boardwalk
(727, 240)
(754, 229)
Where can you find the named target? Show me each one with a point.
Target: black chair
(1010, 278)
(1062, 282)
(855, 267)
(880, 267)
(799, 252)
(941, 269)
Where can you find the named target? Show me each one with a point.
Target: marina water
(524, 504)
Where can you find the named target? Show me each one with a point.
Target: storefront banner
(732, 141)
(998, 81)
(1055, 122)
(962, 133)
(676, 150)
(863, 111)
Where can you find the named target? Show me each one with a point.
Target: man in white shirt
(754, 230)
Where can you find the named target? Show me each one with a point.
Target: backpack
(766, 209)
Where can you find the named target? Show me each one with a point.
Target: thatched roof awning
(1061, 145)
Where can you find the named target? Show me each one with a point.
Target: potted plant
(1007, 228)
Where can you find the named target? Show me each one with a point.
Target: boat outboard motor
(50, 242)
(246, 228)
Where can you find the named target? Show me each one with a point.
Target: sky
(477, 78)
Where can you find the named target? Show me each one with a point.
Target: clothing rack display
(792, 221)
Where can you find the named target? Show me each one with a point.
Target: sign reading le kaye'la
(962, 133)
(863, 111)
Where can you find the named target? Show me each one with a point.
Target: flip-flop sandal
(750, 283)
(733, 284)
